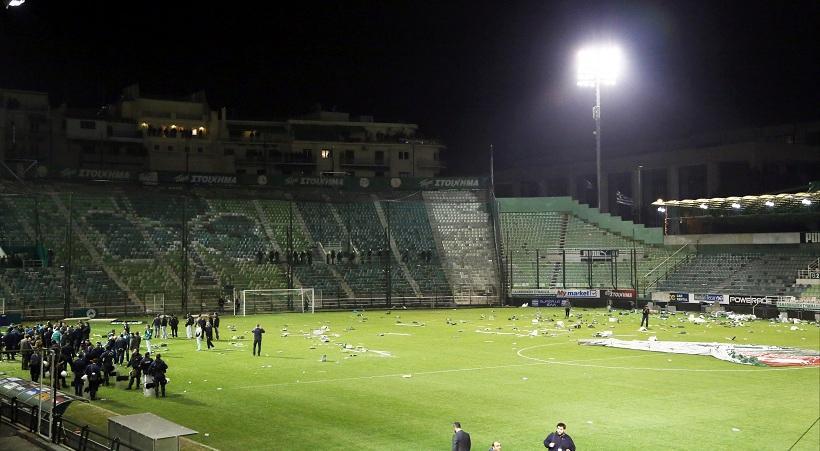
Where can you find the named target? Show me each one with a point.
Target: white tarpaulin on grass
(745, 354)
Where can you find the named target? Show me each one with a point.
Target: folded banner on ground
(745, 354)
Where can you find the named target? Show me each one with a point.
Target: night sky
(470, 73)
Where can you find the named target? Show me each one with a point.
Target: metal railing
(60, 431)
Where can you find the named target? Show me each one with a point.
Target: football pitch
(396, 380)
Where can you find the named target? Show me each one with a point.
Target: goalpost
(275, 300)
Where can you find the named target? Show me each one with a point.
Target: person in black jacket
(645, 316)
(257, 340)
(163, 322)
(78, 368)
(461, 439)
(92, 373)
(107, 359)
(559, 439)
(136, 369)
(34, 364)
(158, 369)
(174, 323)
(209, 334)
(216, 325)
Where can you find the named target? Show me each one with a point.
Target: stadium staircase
(460, 224)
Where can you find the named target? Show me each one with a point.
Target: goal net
(275, 300)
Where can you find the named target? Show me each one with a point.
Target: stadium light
(805, 202)
(769, 203)
(598, 65)
(661, 210)
(13, 3)
(704, 206)
(736, 205)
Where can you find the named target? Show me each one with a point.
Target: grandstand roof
(764, 203)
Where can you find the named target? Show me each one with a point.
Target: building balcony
(365, 163)
(430, 164)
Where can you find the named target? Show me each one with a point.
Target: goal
(275, 300)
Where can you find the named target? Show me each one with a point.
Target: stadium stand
(461, 227)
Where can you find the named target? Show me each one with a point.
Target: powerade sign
(450, 183)
(678, 297)
(547, 302)
(751, 300)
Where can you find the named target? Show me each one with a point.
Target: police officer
(92, 373)
(78, 368)
(145, 365)
(107, 359)
(158, 369)
(136, 369)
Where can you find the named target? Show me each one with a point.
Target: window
(88, 125)
(326, 153)
(379, 156)
(348, 156)
(228, 151)
(404, 174)
(170, 148)
(260, 172)
(156, 146)
(404, 155)
(89, 149)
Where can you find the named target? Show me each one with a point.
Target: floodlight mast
(598, 65)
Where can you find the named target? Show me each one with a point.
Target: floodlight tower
(598, 65)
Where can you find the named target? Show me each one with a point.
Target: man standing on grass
(174, 323)
(146, 337)
(158, 369)
(216, 325)
(461, 439)
(189, 326)
(645, 316)
(559, 440)
(209, 334)
(136, 370)
(567, 308)
(257, 340)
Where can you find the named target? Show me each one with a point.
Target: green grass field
(418, 374)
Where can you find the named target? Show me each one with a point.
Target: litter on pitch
(759, 355)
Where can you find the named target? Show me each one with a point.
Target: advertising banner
(745, 299)
(547, 302)
(274, 181)
(578, 293)
(621, 294)
(697, 297)
(678, 297)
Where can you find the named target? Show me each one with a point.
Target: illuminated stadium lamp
(12, 3)
(661, 210)
(769, 203)
(598, 65)
(805, 202)
(735, 205)
(704, 206)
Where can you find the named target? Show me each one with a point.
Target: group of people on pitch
(555, 441)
